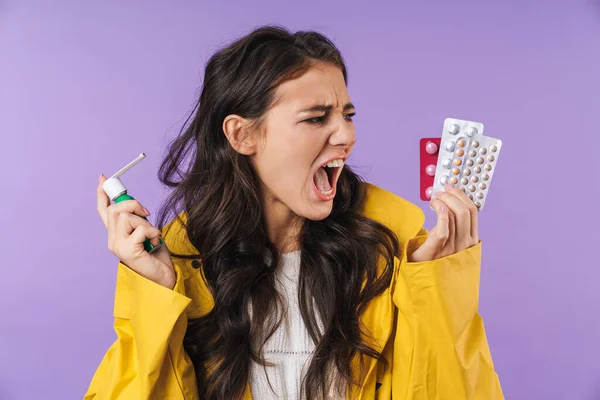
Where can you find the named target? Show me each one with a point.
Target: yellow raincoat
(426, 324)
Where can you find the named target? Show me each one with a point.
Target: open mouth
(325, 178)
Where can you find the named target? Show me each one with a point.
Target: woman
(284, 275)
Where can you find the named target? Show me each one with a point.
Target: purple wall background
(85, 87)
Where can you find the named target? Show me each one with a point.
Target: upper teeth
(335, 163)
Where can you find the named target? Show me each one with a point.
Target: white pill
(429, 192)
(454, 129)
(444, 179)
(446, 163)
(471, 131)
(430, 170)
(431, 148)
(450, 146)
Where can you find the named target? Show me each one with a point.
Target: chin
(320, 212)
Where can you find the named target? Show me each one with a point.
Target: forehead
(320, 84)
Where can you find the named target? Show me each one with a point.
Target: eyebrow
(326, 108)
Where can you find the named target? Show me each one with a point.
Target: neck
(283, 226)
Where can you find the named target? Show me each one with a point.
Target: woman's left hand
(456, 227)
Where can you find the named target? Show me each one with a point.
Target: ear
(238, 133)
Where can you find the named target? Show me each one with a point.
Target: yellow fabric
(426, 324)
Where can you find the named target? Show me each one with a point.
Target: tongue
(322, 180)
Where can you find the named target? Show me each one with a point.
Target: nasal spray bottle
(117, 192)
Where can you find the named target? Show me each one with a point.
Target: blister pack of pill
(466, 159)
(428, 150)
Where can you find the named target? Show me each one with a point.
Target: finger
(441, 230)
(437, 237)
(472, 210)
(131, 207)
(462, 217)
(103, 201)
(135, 242)
(128, 207)
(127, 223)
(143, 232)
(451, 244)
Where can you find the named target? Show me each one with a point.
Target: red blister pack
(428, 154)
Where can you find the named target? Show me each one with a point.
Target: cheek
(284, 165)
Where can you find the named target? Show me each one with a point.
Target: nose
(343, 135)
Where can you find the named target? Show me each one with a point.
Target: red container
(427, 160)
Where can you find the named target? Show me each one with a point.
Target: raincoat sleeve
(147, 361)
(440, 349)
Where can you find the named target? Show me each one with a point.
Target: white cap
(113, 186)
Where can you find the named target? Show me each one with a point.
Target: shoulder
(174, 235)
(176, 238)
(396, 213)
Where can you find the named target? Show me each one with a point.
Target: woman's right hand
(127, 231)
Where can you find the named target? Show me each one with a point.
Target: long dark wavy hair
(219, 191)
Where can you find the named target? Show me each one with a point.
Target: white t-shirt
(290, 348)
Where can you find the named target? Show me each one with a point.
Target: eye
(349, 117)
(317, 120)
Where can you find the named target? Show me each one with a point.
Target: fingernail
(448, 187)
(443, 208)
(437, 195)
(100, 177)
(146, 210)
